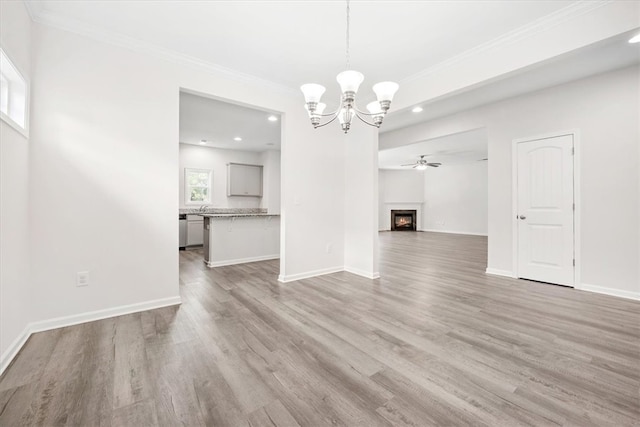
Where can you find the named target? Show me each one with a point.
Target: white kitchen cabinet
(195, 230)
(244, 180)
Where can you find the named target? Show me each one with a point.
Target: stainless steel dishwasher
(182, 235)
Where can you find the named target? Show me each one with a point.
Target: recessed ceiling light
(237, 138)
(635, 39)
(272, 118)
(270, 143)
(417, 110)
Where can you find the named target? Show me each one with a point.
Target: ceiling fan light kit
(349, 82)
(422, 164)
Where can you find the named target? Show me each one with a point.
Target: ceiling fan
(422, 164)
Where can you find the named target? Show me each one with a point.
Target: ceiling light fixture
(349, 82)
(203, 142)
(237, 138)
(272, 118)
(417, 110)
(635, 39)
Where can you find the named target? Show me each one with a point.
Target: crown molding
(529, 30)
(34, 8)
(42, 16)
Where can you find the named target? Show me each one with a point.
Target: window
(13, 95)
(197, 186)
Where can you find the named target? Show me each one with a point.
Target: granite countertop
(234, 215)
(222, 211)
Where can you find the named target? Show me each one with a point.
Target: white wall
(456, 199)
(361, 201)
(605, 110)
(15, 289)
(271, 198)
(104, 162)
(216, 159)
(313, 191)
(402, 186)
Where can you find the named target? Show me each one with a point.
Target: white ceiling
(220, 122)
(288, 42)
(461, 148)
(604, 56)
(295, 42)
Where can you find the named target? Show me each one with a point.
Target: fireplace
(403, 220)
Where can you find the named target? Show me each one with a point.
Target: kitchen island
(237, 238)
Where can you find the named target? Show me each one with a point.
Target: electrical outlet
(329, 248)
(82, 278)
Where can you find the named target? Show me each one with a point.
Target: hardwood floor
(435, 341)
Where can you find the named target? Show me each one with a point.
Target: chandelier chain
(348, 55)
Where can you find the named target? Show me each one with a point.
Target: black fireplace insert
(403, 220)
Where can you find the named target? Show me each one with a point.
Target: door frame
(575, 133)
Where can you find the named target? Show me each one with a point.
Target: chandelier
(349, 82)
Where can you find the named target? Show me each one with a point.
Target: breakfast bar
(240, 238)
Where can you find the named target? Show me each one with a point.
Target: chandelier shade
(375, 109)
(312, 92)
(385, 90)
(350, 81)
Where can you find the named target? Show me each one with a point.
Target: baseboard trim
(466, 233)
(61, 322)
(610, 291)
(14, 349)
(308, 274)
(496, 272)
(91, 316)
(241, 260)
(362, 273)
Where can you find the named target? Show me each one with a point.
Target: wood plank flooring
(435, 341)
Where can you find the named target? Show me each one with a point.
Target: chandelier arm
(324, 124)
(335, 113)
(364, 121)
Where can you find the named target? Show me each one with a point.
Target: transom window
(13, 95)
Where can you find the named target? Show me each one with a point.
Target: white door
(545, 210)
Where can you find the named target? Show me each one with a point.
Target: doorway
(229, 181)
(544, 209)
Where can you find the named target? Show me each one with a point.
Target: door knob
(523, 217)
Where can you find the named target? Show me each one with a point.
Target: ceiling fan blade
(410, 164)
(434, 165)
